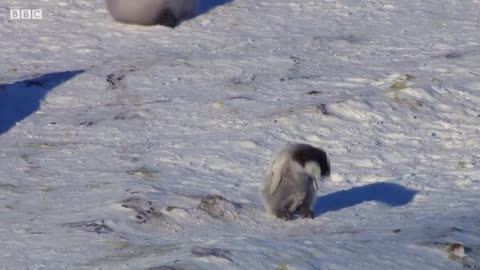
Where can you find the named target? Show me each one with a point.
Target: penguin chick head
(314, 162)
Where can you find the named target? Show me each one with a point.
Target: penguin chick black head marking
(304, 153)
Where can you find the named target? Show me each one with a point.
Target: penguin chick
(291, 180)
(151, 12)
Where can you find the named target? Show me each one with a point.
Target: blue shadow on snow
(20, 99)
(387, 193)
(203, 6)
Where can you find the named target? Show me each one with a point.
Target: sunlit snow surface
(115, 137)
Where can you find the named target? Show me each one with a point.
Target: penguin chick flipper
(275, 180)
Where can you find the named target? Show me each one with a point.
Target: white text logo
(25, 14)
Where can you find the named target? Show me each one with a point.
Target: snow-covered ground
(113, 136)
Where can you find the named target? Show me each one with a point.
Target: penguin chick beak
(315, 183)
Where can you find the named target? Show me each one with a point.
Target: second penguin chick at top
(291, 181)
(151, 12)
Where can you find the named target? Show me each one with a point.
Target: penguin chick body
(151, 12)
(291, 181)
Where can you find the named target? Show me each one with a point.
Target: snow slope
(113, 136)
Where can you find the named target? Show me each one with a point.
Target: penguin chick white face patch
(313, 168)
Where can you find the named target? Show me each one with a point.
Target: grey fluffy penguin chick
(151, 12)
(291, 181)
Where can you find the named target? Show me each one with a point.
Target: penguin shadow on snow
(203, 6)
(390, 194)
(20, 99)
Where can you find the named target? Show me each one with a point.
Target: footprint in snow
(116, 79)
(218, 207)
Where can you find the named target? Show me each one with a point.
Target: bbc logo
(25, 14)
